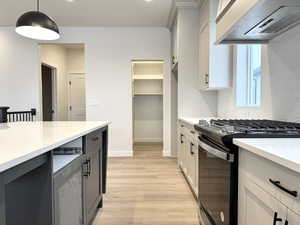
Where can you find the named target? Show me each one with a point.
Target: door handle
(276, 219)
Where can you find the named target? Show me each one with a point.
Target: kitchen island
(52, 172)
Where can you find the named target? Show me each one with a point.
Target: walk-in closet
(147, 84)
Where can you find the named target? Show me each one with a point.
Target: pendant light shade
(37, 25)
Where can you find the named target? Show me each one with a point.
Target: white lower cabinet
(192, 155)
(260, 201)
(188, 155)
(257, 206)
(182, 157)
(293, 218)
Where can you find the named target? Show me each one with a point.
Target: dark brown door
(47, 93)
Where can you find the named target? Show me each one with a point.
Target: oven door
(217, 184)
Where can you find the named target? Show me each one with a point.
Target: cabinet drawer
(261, 170)
(93, 141)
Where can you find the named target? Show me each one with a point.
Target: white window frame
(243, 54)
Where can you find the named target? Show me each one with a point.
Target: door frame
(165, 103)
(69, 90)
(55, 116)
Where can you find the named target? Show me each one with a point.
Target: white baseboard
(120, 153)
(167, 153)
(150, 140)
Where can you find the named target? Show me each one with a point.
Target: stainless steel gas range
(218, 163)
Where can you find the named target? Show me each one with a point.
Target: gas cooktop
(223, 131)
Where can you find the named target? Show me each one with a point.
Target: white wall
(19, 69)
(108, 55)
(280, 83)
(56, 56)
(148, 119)
(75, 60)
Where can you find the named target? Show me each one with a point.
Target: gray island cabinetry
(57, 177)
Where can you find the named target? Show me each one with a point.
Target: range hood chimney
(257, 21)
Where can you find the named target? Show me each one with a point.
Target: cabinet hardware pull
(277, 184)
(86, 163)
(206, 79)
(286, 222)
(276, 219)
(89, 166)
(191, 149)
(181, 136)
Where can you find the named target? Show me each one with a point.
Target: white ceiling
(92, 12)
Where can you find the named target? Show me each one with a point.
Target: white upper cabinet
(215, 61)
(174, 42)
(223, 6)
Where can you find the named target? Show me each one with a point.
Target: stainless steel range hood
(257, 21)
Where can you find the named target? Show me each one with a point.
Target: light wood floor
(147, 189)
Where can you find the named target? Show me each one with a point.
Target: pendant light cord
(38, 5)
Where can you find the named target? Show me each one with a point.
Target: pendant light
(37, 25)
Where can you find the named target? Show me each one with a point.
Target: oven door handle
(218, 153)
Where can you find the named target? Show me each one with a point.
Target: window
(248, 75)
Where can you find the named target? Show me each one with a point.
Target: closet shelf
(148, 77)
(147, 94)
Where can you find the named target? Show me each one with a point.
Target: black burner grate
(258, 125)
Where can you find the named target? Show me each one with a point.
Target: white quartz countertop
(283, 151)
(194, 120)
(23, 141)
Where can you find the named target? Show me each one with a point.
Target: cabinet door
(92, 190)
(195, 150)
(293, 218)
(204, 57)
(68, 195)
(193, 163)
(179, 152)
(257, 206)
(184, 158)
(93, 175)
(190, 164)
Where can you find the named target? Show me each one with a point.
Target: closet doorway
(147, 84)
